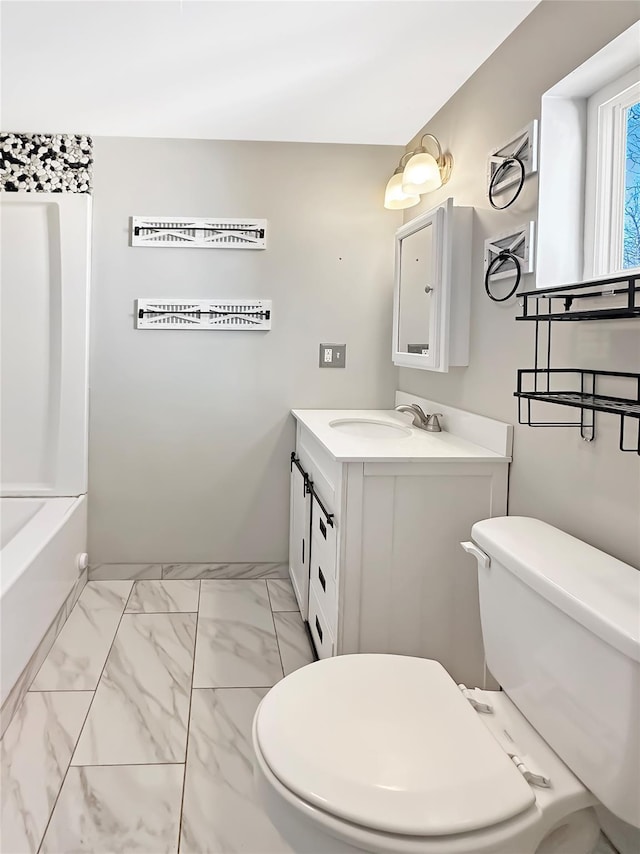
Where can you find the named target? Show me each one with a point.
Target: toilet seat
(388, 743)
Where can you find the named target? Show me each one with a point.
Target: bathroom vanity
(378, 511)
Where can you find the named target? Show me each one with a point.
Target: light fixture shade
(395, 198)
(421, 174)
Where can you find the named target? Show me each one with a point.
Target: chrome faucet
(420, 418)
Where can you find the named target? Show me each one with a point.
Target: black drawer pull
(303, 552)
(318, 629)
(322, 580)
(323, 528)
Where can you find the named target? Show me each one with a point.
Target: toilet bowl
(385, 754)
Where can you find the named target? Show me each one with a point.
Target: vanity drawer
(324, 589)
(322, 637)
(323, 540)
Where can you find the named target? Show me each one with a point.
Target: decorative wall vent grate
(521, 146)
(199, 232)
(518, 241)
(247, 315)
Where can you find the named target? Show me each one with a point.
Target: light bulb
(395, 198)
(421, 174)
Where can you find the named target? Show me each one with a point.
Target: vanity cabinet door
(299, 539)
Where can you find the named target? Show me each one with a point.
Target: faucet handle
(433, 425)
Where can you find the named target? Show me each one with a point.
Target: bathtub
(42, 539)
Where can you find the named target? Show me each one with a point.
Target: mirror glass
(416, 273)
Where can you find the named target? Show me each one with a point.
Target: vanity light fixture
(395, 197)
(424, 172)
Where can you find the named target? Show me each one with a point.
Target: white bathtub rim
(49, 519)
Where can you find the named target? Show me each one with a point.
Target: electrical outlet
(333, 355)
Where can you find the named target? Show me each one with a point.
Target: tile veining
(237, 644)
(17, 693)
(80, 650)
(220, 813)
(281, 595)
(158, 596)
(139, 714)
(125, 571)
(295, 649)
(117, 809)
(110, 769)
(225, 570)
(34, 757)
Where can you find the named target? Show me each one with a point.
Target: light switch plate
(333, 355)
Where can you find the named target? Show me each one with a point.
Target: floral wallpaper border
(46, 163)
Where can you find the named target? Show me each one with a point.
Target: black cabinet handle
(318, 629)
(303, 551)
(322, 580)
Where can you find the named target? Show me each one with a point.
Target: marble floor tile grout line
(186, 743)
(151, 613)
(275, 631)
(270, 599)
(55, 803)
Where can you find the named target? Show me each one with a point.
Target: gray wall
(590, 490)
(190, 433)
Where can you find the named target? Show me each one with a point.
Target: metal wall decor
(199, 232)
(511, 164)
(506, 255)
(246, 315)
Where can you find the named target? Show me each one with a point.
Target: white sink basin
(369, 428)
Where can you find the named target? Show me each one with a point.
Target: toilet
(385, 753)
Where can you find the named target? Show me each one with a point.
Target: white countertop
(418, 446)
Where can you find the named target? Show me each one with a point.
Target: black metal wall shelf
(584, 397)
(617, 298)
(566, 301)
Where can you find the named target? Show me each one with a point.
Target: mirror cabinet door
(416, 287)
(417, 291)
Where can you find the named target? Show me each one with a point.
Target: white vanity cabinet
(386, 572)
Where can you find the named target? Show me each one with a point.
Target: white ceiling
(307, 71)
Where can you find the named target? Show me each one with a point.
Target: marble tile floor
(135, 735)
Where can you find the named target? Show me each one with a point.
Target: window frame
(605, 176)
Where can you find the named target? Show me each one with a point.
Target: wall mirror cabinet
(432, 284)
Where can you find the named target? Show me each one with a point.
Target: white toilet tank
(561, 628)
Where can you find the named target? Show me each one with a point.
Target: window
(612, 198)
(589, 181)
(631, 248)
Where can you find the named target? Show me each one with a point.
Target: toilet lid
(390, 743)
